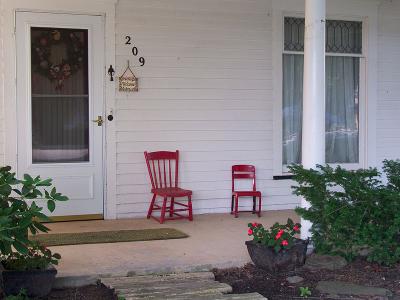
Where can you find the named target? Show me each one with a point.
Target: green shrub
(38, 258)
(20, 215)
(352, 211)
(21, 296)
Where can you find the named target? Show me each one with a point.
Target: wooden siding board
(388, 121)
(207, 90)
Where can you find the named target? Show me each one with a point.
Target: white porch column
(313, 139)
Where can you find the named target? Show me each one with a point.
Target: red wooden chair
(163, 169)
(244, 172)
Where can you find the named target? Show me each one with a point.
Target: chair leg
(163, 209)
(259, 207)
(151, 206)
(254, 205)
(236, 206)
(233, 200)
(171, 207)
(190, 208)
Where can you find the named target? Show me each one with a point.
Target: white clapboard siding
(2, 82)
(268, 185)
(206, 89)
(388, 120)
(236, 156)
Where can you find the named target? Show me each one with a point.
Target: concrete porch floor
(216, 240)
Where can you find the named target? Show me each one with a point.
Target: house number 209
(135, 50)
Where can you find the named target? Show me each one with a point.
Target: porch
(215, 240)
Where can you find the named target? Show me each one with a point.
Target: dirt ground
(275, 286)
(90, 292)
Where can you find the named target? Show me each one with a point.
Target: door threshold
(76, 218)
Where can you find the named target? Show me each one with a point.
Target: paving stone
(329, 262)
(197, 285)
(189, 289)
(252, 296)
(158, 278)
(294, 279)
(74, 281)
(336, 288)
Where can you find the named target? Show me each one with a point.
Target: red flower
(296, 228)
(254, 224)
(278, 236)
(250, 232)
(285, 243)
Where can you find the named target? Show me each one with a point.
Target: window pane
(292, 109)
(343, 37)
(60, 99)
(342, 105)
(294, 34)
(342, 109)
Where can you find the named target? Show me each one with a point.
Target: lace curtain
(342, 92)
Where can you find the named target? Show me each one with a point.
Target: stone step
(251, 296)
(118, 281)
(213, 296)
(196, 286)
(191, 287)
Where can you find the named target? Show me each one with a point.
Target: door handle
(99, 121)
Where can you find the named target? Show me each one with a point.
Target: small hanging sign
(128, 82)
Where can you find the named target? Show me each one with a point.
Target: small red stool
(244, 172)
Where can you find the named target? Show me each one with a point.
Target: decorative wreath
(41, 52)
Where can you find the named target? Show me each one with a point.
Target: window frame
(279, 168)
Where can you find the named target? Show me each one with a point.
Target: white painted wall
(388, 113)
(207, 89)
(2, 139)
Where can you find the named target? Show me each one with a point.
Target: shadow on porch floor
(216, 240)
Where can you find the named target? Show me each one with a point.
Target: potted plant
(276, 248)
(26, 265)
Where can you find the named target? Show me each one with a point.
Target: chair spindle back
(163, 168)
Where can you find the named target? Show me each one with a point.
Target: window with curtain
(344, 49)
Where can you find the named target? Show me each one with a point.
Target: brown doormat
(116, 236)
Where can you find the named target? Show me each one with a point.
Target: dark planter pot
(37, 283)
(287, 260)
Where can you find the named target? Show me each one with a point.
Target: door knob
(99, 121)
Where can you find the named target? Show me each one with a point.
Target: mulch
(249, 278)
(89, 292)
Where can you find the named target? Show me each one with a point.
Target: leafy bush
(278, 236)
(21, 296)
(352, 211)
(19, 215)
(38, 257)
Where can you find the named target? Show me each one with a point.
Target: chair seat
(172, 192)
(247, 193)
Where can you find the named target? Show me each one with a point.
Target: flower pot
(37, 283)
(285, 260)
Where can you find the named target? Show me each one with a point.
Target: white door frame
(105, 8)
